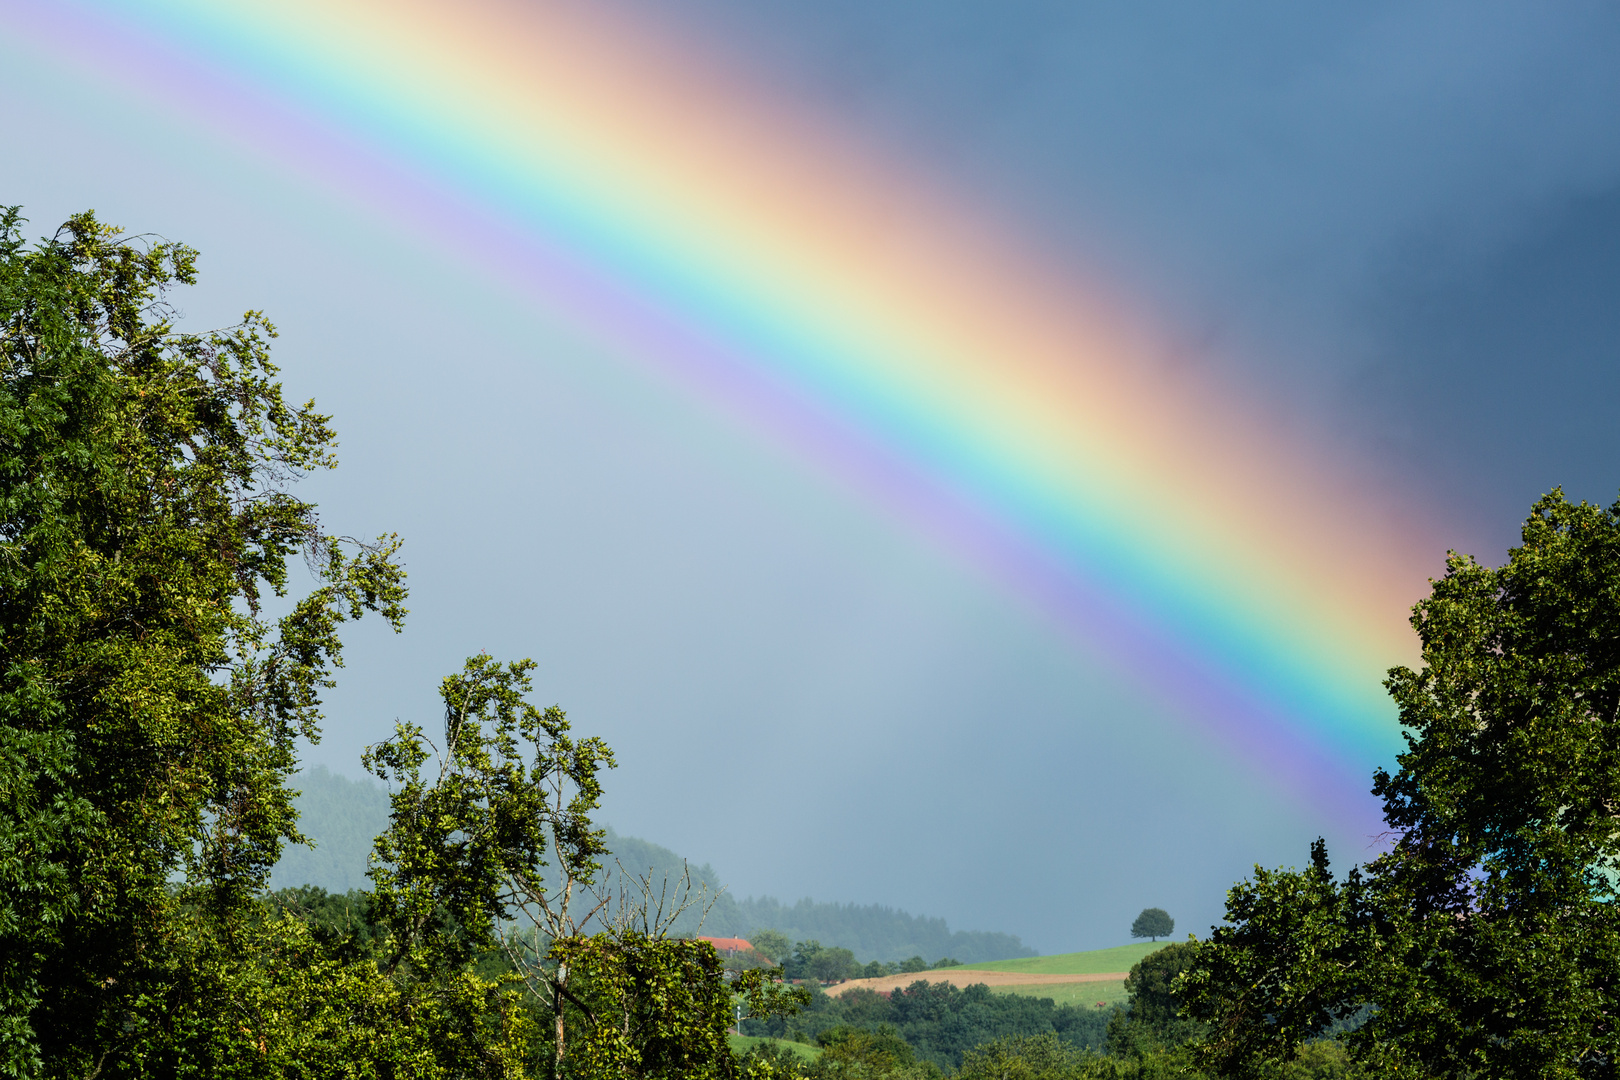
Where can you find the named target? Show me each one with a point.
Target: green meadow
(741, 1044)
(1089, 995)
(1095, 962)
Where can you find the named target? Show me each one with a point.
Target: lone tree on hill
(1154, 922)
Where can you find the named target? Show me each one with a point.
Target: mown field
(1095, 962)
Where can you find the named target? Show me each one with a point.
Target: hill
(1095, 962)
(343, 816)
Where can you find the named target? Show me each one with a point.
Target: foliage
(150, 714)
(771, 944)
(813, 960)
(465, 852)
(1154, 1018)
(746, 960)
(861, 1052)
(1487, 939)
(1024, 1057)
(149, 710)
(1045, 1057)
(940, 1021)
(848, 1053)
(1153, 923)
(275, 1001)
(877, 969)
(646, 1007)
(872, 931)
(343, 815)
(341, 923)
(769, 1058)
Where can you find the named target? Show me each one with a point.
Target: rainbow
(839, 301)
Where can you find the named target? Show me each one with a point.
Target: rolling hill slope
(1095, 962)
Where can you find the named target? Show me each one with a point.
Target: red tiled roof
(727, 944)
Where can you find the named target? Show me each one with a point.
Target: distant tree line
(930, 1030)
(828, 964)
(871, 930)
(940, 1022)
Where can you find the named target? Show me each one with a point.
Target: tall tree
(491, 847)
(149, 709)
(1486, 942)
(467, 847)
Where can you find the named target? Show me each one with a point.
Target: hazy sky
(1400, 222)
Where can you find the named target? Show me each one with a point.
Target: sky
(1384, 242)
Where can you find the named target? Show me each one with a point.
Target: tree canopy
(1153, 923)
(1486, 940)
(152, 712)
(148, 709)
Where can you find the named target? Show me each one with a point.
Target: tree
(857, 1052)
(1153, 923)
(771, 944)
(656, 1007)
(149, 710)
(150, 716)
(831, 964)
(1154, 1018)
(1486, 941)
(476, 824)
(1024, 1057)
(466, 849)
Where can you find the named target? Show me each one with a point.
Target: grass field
(1095, 962)
(1085, 994)
(741, 1043)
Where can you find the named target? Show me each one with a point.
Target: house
(728, 946)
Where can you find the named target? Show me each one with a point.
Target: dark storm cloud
(1400, 217)
(1500, 370)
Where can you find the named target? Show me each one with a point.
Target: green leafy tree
(150, 714)
(462, 872)
(1154, 1019)
(1024, 1057)
(771, 944)
(648, 1007)
(476, 822)
(855, 1052)
(797, 965)
(1153, 923)
(340, 922)
(1486, 941)
(831, 965)
(149, 710)
(467, 847)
